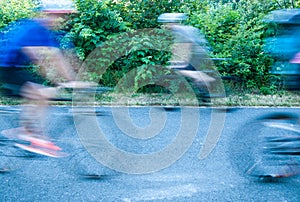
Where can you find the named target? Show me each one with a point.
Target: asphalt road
(135, 164)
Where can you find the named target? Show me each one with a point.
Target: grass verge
(283, 99)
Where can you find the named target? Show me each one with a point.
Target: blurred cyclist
(32, 44)
(189, 51)
(285, 46)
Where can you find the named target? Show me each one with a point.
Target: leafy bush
(143, 13)
(133, 57)
(92, 25)
(235, 30)
(11, 10)
(124, 52)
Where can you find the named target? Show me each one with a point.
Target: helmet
(171, 17)
(57, 6)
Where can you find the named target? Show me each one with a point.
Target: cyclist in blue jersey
(30, 43)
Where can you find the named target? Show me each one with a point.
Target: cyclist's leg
(27, 85)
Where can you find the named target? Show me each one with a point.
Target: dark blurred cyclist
(189, 50)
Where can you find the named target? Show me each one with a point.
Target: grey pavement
(189, 178)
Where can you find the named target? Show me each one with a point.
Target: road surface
(188, 178)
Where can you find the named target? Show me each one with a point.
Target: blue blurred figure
(285, 46)
(277, 154)
(29, 43)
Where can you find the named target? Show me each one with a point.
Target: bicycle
(77, 159)
(268, 148)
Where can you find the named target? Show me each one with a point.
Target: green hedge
(234, 29)
(11, 10)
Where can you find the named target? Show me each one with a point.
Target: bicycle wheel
(267, 147)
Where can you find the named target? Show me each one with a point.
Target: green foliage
(131, 59)
(143, 13)
(11, 10)
(126, 56)
(236, 30)
(233, 28)
(92, 25)
(288, 3)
